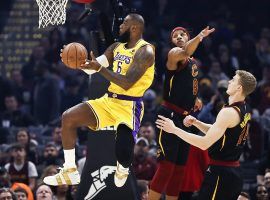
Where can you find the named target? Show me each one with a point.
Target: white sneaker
(66, 176)
(121, 175)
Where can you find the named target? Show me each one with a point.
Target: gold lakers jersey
(123, 58)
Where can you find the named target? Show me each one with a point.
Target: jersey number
(119, 67)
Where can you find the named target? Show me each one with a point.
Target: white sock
(69, 156)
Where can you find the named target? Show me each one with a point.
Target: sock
(69, 156)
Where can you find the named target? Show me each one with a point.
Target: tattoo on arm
(143, 59)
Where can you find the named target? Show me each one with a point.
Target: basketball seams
(73, 51)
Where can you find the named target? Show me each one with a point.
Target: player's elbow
(204, 146)
(127, 85)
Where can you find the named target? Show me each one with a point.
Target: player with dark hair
(133, 72)
(180, 98)
(224, 139)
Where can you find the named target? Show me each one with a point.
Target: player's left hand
(205, 32)
(165, 124)
(91, 64)
(198, 105)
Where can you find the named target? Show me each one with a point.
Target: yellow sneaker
(121, 175)
(69, 176)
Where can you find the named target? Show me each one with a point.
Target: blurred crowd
(33, 97)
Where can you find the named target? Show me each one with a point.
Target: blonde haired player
(225, 139)
(133, 72)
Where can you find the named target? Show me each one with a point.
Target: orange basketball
(74, 54)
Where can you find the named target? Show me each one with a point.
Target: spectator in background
(243, 196)
(267, 181)
(19, 169)
(143, 165)
(62, 192)
(50, 157)
(6, 88)
(264, 167)
(143, 189)
(48, 171)
(28, 190)
(71, 96)
(7, 194)
(46, 95)
(38, 55)
(13, 115)
(56, 43)
(261, 193)
(19, 89)
(149, 100)
(44, 192)
(21, 194)
(225, 60)
(23, 137)
(56, 137)
(261, 99)
(216, 74)
(4, 178)
(263, 51)
(147, 131)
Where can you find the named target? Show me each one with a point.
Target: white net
(51, 12)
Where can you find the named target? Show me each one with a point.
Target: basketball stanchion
(97, 179)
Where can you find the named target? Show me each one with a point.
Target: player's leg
(175, 182)
(128, 116)
(161, 179)
(77, 116)
(124, 151)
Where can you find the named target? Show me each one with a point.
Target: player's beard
(125, 37)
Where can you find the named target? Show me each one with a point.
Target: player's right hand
(189, 121)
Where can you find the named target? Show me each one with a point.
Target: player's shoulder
(115, 45)
(229, 114)
(228, 111)
(174, 51)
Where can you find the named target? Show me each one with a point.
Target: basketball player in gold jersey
(133, 72)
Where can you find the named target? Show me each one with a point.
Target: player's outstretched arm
(226, 118)
(192, 44)
(177, 54)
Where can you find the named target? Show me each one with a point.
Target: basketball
(74, 54)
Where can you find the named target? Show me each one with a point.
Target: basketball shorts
(221, 183)
(171, 147)
(113, 109)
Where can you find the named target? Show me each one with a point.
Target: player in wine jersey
(133, 72)
(224, 140)
(180, 97)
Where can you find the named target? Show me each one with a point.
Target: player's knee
(67, 117)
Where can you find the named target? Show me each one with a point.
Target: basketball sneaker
(121, 175)
(66, 176)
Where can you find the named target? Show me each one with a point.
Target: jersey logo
(123, 58)
(99, 177)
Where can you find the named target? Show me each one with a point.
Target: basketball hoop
(51, 12)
